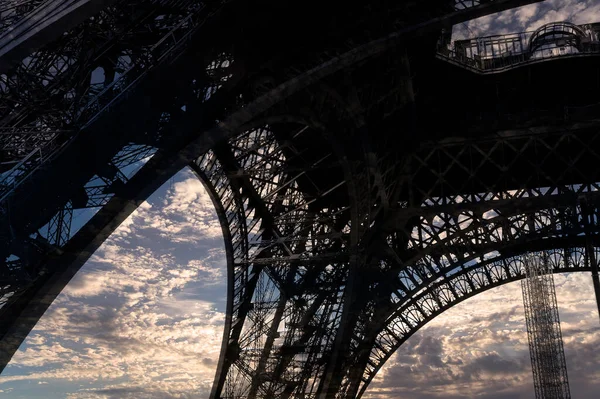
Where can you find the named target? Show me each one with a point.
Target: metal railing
(498, 53)
(99, 103)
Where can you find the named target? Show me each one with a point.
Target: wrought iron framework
(543, 329)
(497, 53)
(344, 235)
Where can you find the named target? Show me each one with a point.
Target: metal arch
(562, 227)
(289, 350)
(420, 279)
(52, 266)
(543, 30)
(314, 120)
(479, 218)
(125, 200)
(65, 262)
(415, 317)
(375, 47)
(230, 254)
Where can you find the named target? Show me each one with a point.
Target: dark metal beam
(17, 320)
(587, 206)
(43, 25)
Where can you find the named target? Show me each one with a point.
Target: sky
(144, 316)
(531, 17)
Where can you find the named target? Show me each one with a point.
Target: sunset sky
(144, 316)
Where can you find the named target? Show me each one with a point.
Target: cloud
(141, 318)
(480, 348)
(185, 215)
(530, 17)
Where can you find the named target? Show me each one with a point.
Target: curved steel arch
(461, 286)
(535, 212)
(430, 237)
(229, 254)
(567, 29)
(424, 290)
(291, 251)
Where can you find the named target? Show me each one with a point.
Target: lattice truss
(546, 349)
(58, 91)
(12, 11)
(288, 261)
(442, 249)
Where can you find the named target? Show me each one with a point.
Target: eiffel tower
(368, 171)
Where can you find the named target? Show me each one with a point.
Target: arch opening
(479, 347)
(144, 316)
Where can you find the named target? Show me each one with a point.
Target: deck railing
(498, 53)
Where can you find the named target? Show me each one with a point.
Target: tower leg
(593, 263)
(596, 280)
(546, 349)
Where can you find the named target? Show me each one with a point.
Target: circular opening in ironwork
(556, 38)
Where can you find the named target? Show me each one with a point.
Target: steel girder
(455, 252)
(32, 277)
(411, 251)
(288, 260)
(26, 25)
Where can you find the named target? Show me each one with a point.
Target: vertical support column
(595, 279)
(546, 349)
(593, 263)
(589, 220)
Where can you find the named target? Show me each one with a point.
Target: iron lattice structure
(499, 53)
(548, 364)
(351, 216)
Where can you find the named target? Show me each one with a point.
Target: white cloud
(531, 17)
(185, 215)
(125, 326)
(480, 349)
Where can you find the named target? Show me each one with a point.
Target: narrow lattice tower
(543, 329)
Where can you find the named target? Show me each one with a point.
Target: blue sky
(144, 316)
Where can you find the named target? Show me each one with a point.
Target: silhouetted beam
(511, 206)
(17, 320)
(596, 281)
(242, 184)
(591, 259)
(44, 24)
(416, 327)
(483, 10)
(48, 21)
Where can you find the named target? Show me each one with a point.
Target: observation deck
(498, 53)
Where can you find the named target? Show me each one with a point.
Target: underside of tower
(369, 172)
